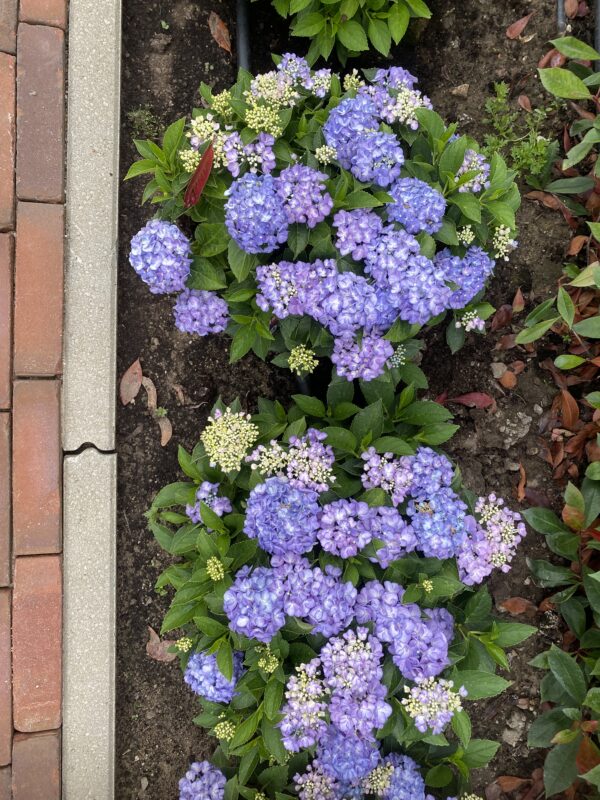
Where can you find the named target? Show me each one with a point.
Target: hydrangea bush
(328, 218)
(328, 589)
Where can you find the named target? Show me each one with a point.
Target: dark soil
(464, 43)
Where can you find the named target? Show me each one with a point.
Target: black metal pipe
(561, 17)
(242, 35)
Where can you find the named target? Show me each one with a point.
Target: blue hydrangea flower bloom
(421, 292)
(161, 255)
(205, 678)
(254, 603)
(388, 257)
(356, 230)
(431, 472)
(278, 291)
(353, 116)
(345, 302)
(345, 757)
(375, 157)
(254, 214)
(207, 493)
(346, 527)
(418, 206)
(469, 273)
(394, 78)
(201, 312)
(396, 535)
(304, 194)
(202, 781)
(283, 518)
(438, 522)
(407, 782)
(366, 360)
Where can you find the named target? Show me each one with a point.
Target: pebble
(498, 369)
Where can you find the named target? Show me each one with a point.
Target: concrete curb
(88, 400)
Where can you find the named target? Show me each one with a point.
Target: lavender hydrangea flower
(295, 67)
(259, 153)
(233, 152)
(277, 289)
(202, 781)
(477, 163)
(254, 603)
(314, 784)
(344, 303)
(356, 230)
(432, 703)
(374, 157)
(406, 781)
(304, 195)
(395, 78)
(431, 472)
(346, 758)
(254, 215)
(207, 493)
(394, 533)
(205, 678)
(161, 255)
(418, 206)
(350, 118)
(389, 255)
(423, 293)
(346, 526)
(366, 360)
(201, 312)
(283, 518)
(438, 522)
(469, 273)
(305, 709)
(393, 475)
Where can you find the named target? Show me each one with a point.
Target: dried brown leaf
(510, 783)
(518, 303)
(571, 8)
(508, 380)
(502, 317)
(516, 29)
(570, 409)
(576, 244)
(219, 31)
(157, 648)
(522, 484)
(515, 606)
(474, 400)
(166, 430)
(131, 383)
(150, 388)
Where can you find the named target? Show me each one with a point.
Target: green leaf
(368, 421)
(210, 519)
(439, 776)
(565, 306)
(480, 684)
(309, 405)
(589, 328)
(351, 34)
(246, 730)
(480, 752)
(570, 185)
(225, 660)
(175, 494)
(535, 331)
(398, 20)
(419, 8)
(543, 520)
(172, 137)
(241, 263)
(455, 336)
(593, 399)
(564, 83)
(209, 626)
(272, 739)
(242, 342)
(341, 439)
(592, 776)
(212, 239)
(545, 727)
(461, 725)
(424, 412)
(591, 584)
(273, 697)
(379, 36)
(308, 24)
(560, 769)
(469, 205)
(204, 275)
(141, 167)
(574, 48)
(550, 575)
(568, 362)
(568, 673)
(513, 633)
(393, 444)
(177, 616)
(361, 199)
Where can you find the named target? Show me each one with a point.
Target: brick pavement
(32, 143)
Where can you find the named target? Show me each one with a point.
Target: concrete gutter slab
(89, 625)
(92, 202)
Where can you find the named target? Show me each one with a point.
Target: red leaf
(157, 649)
(524, 102)
(571, 8)
(131, 383)
(502, 317)
(518, 303)
(442, 398)
(516, 29)
(515, 606)
(219, 31)
(199, 178)
(474, 400)
(583, 9)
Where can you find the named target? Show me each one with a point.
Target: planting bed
(167, 51)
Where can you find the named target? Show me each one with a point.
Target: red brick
(36, 767)
(5, 784)
(4, 499)
(6, 729)
(37, 643)
(6, 281)
(40, 113)
(36, 468)
(7, 139)
(44, 12)
(39, 290)
(8, 26)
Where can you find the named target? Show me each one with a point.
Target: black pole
(243, 35)
(561, 17)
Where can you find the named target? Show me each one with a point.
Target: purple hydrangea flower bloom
(201, 312)
(418, 206)
(296, 67)
(477, 163)
(259, 153)
(396, 535)
(346, 527)
(366, 360)
(346, 758)
(388, 257)
(202, 781)
(304, 195)
(206, 679)
(314, 784)
(438, 522)
(161, 255)
(374, 157)
(316, 596)
(356, 230)
(350, 118)
(444, 620)
(421, 292)
(207, 493)
(305, 708)
(254, 603)
(254, 215)
(469, 273)
(431, 472)
(343, 304)
(233, 151)
(277, 288)
(394, 78)
(283, 518)
(407, 782)
(393, 475)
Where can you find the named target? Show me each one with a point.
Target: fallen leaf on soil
(546, 605)
(157, 649)
(518, 367)
(474, 400)
(571, 8)
(515, 606)
(524, 102)
(570, 409)
(506, 342)
(219, 31)
(582, 112)
(442, 398)
(522, 484)
(508, 380)
(518, 303)
(502, 317)
(583, 9)
(166, 430)
(537, 498)
(150, 388)
(510, 783)
(516, 29)
(131, 383)
(199, 178)
(577, 242)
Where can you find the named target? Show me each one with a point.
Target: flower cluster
(205, 679)
(432, 703)
(202, 781)
(207, 493)
(228, 437)
(254, 603)
(254, 215)
(307, 463)
(160, 254)
(302, 360)
(477, 165)
(201, 312)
